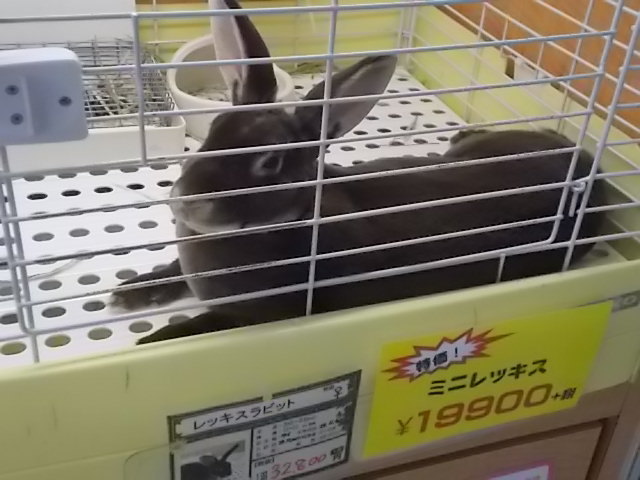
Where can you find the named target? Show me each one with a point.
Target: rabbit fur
(257, 84)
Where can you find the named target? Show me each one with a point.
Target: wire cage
(72, 234)
(63, 301)
(114, 94)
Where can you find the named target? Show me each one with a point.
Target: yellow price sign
(442, 385)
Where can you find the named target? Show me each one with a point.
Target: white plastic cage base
(99, 188)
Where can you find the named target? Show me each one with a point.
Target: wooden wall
(535, 15)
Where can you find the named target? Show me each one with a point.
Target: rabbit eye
(267, 164)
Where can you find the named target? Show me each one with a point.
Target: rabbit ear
(235, 37)
(369, 76)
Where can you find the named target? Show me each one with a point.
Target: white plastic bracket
(41, 96)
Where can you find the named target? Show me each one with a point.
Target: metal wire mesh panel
(72, 235)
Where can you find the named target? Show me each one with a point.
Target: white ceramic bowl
(189, 85)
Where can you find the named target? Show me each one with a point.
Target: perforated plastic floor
(88, 232)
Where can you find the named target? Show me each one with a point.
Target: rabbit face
(246, 170)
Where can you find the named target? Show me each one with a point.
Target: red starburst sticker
(448, 352)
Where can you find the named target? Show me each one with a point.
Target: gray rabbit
(209, 467)
(257, 84)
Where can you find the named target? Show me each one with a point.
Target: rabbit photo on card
(483, 218)
(209, 467)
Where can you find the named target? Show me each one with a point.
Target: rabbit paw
(169, 332)
(165, 333)
(206, 322)
(145, 296)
